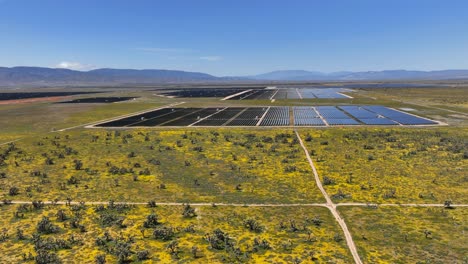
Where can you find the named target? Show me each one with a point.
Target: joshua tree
(151, 221)
(253, 225)
(328, 181)
(173, 247)
(310, 236)
(61, 216)
(19, 234)
(100, 259)
(261, 244)
(292, 224)
(45, 226)
(142, 255)
(163, 233)
(337, 237)
(46, 257)
(195, 252)
(4, 235)
(427, 233)
(13, 191)
(219, 239)
(78, 164)
(122, 251)
(189, 211)
(49, 161)
(37, 204)
(448, 204)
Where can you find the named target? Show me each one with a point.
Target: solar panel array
(324, 93)
(263, 95)
(292, 93)
(191, 118)
(335, 117)
(308, 94)
(400, 117)
(306, 116)
(378, 121)
(140, 118)
(271, 116)
(202, 92)
(221, 117)
(367, 117)
(276, 116)
(249, 117)
(281, 94)
(175, 113)
(245, 95)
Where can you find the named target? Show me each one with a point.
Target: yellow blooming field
(409, 235)
(199, 165)
(391, 165)
(85, 233)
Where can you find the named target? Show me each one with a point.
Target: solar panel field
(271, 116)
(293, 93)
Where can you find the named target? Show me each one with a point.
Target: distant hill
(289, 75)
(37, 76)
(299, 75)
(48, 76)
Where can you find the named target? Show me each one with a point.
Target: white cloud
(211, 58)
(75, 66)
(164, 50)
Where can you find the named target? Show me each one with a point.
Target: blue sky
(239, 37)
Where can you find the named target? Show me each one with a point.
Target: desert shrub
(253, 225)
(163, 233)
(219, 239)
(45, 226)
(151, 221)
(188, 211)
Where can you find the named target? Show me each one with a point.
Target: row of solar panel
(271, 116)
(306, 116)
(280, 94)
(276, 116)
(400, 117)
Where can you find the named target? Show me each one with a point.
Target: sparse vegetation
(154, 171)
(407, 235)
(222, 233)
(407, 165)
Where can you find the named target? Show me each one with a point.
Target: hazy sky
(224, 37)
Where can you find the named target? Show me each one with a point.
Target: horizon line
(266, 72)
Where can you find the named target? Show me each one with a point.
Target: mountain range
(37, 76)
(53, 76)
(301, 75)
